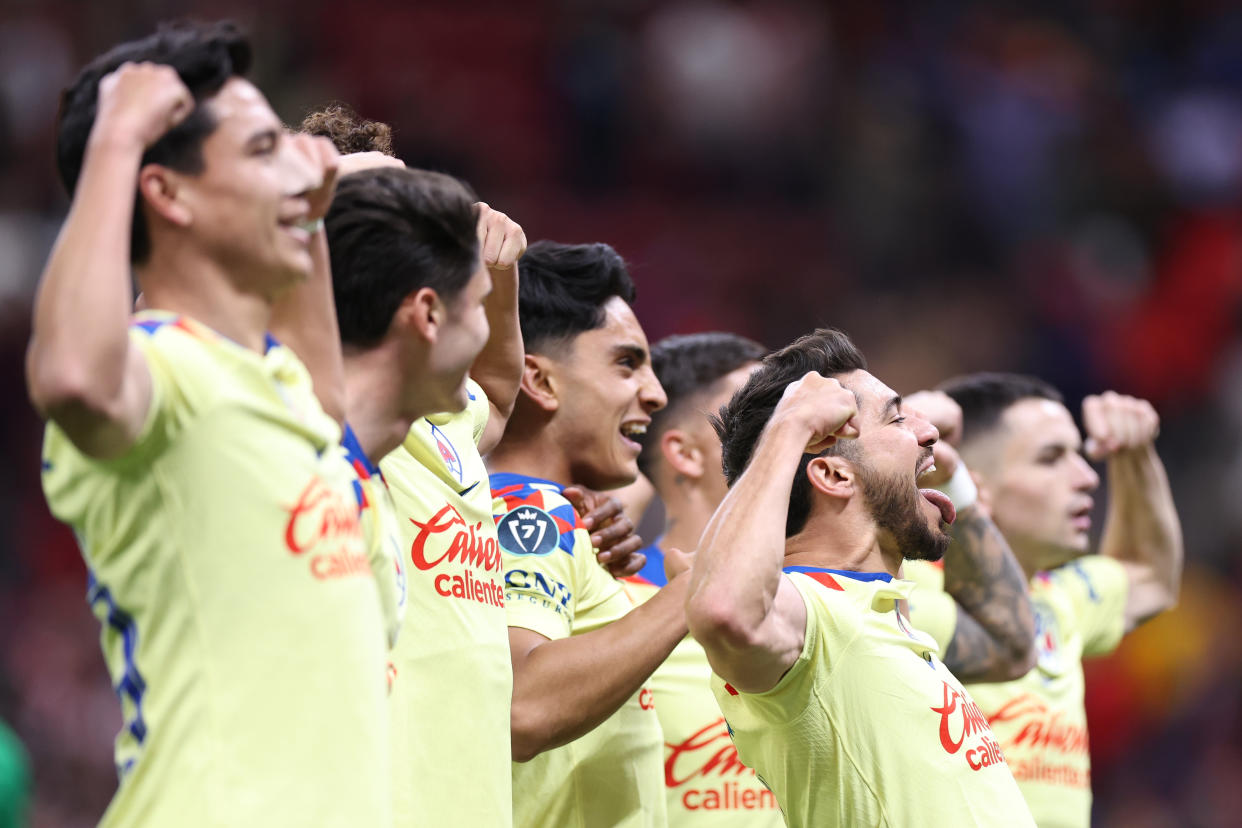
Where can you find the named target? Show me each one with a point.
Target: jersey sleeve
(1097, 588)
(173, 395)
(788, 699)
(541, 543)
(478, 407)
(932, 610)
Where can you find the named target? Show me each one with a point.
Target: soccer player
(411, 280)
(843, 710)
(705, 782)
(700, 373)
(586, 739)
(1027, 454)
(241, 622)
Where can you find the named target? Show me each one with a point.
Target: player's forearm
(563, 689)
(737, 569)
(304, 319)
(1142, 526)
(79, 340)
(498, 367)
(994, 638)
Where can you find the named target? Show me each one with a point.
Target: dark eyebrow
(638, 352)
(893, 405)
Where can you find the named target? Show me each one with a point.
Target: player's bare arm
(995, 632)
(565, 688)
(498, 367)
(305, 317)
(1142, 529)
(81, 371)
(748, 616)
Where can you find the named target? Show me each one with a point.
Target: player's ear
(834, 476)
(682, 453)
(163, 198)
(539, 381)
(421, 312)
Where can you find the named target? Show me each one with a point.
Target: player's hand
(140, 102)
(676, 562)
(359, 161)
(1117, 423)
(612, 532)
(940, 410)
(501, 239)
(822, 406)
(324, 164)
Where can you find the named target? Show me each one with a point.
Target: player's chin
(621, 472)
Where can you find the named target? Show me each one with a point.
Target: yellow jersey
(241, 622)
(613, 775)
(868, 727)
(1040, 719)
(451, 672)
(378, 516)
(704, 781)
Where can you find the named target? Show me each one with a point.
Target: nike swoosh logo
(468, 489)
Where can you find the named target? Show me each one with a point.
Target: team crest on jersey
(1047, 640)
(448, 452)
(528, 530)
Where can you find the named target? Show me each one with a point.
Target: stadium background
(960, 185)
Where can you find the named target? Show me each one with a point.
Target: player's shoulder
(532, 516)
(1090, 575)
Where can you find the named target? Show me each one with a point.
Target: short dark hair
(348, 132)
(392, 231)
(742, 420)
(564, 287)
(985, 397)
(205, 56)
(689, 365)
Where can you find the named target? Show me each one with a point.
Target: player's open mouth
(941, 501)
(299, 228)
(1081, 518)
(632, 432)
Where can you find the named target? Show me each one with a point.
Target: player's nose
(651, 392)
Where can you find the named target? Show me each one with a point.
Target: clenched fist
(821, 405)
(501, 239)
(140, 102)
(1117, 423)
(946, 415)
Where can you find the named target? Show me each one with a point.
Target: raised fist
(940, 410)
(501, 239)
(822, 405)
(1117, 423)
(323, 162)
(140, 102)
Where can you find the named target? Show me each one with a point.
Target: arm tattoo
(995, 632)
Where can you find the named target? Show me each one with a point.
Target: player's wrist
(114, 136)
(960, 488)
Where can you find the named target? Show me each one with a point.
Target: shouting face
(606, 393)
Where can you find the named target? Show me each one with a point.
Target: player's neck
(534, 455)
(687, 510)
(853, 546)
(200, 289)
(373, 402)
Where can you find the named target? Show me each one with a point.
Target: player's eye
(900, 420)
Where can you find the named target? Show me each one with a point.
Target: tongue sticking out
(941, 501)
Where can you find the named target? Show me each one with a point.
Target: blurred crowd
(1053, 188)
